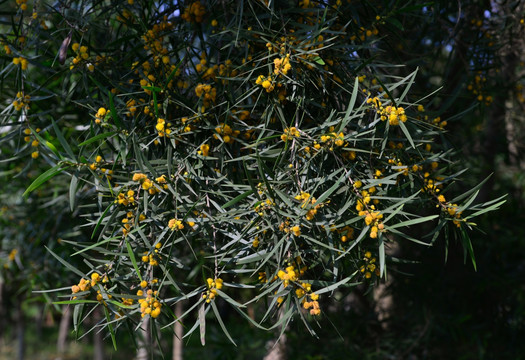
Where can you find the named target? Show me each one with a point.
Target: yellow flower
(12, 254)
(139, 177)
(205, 149)
(218, 283)
(175, 224)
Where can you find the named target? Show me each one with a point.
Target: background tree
(272, 159)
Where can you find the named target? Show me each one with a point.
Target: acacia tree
(255, 154)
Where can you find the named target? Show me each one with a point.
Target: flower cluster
(10, 258)
(393, 114)
(162, 127)
(332, 138)
(208, 94)
(347, 233)
(101, 115)
(308, 201)
(12, 254)
(194, 12)
(303, 290)
(175, 224)
(22, 101)
(290, 133)
(282, 65)
(34, 142)
(450, 209)
(369, 266)
(85, 284)
(281, 68)
(365, 33)
(289, 274)
(21, 61)
(81, 54)
(477, 87)
(22, 4)
(152, 187)
(213, 286)
(226, 132)
(313, 304)
(264, 206)
(204, 150)
(152, 258)
(150, 304)
(265, 82)
(372, 218)
(129, 221)
(126, 199)
(285, 227)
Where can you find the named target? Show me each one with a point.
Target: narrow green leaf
(251, 258)
(100, 220)
(407, 133)
(132, 258)
(411, 78)
(44, 177)
(65, 263)
(487, 209)
(237, 199)
(395, 22)
(73, 302)
(105, 241)
(320, 61)
(351, 104)
(73, 185)
(336, 285)
(381, 249)
(354, 243)
(172, 74)
(467, 204)
(467, 247)
(113, 111)
(458, 198)
(97, 138)
(411, 222)
(153, 89)
(334, 187)
(77, 310)
(202, 323)
(219, 319)
(63, 140)
(49, 145)
(110, 327)
(399, 233)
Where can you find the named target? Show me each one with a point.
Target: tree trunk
(20, 329)
(277, 350)
(143, 340)
(2, 312)
(497, 137)
(277, 347)
(63, 331)
(178, 333)
(98, 341)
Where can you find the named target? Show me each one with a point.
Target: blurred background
(435, 307)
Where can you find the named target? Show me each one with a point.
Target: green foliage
(267, 155)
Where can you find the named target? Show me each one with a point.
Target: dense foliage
(268, 156)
